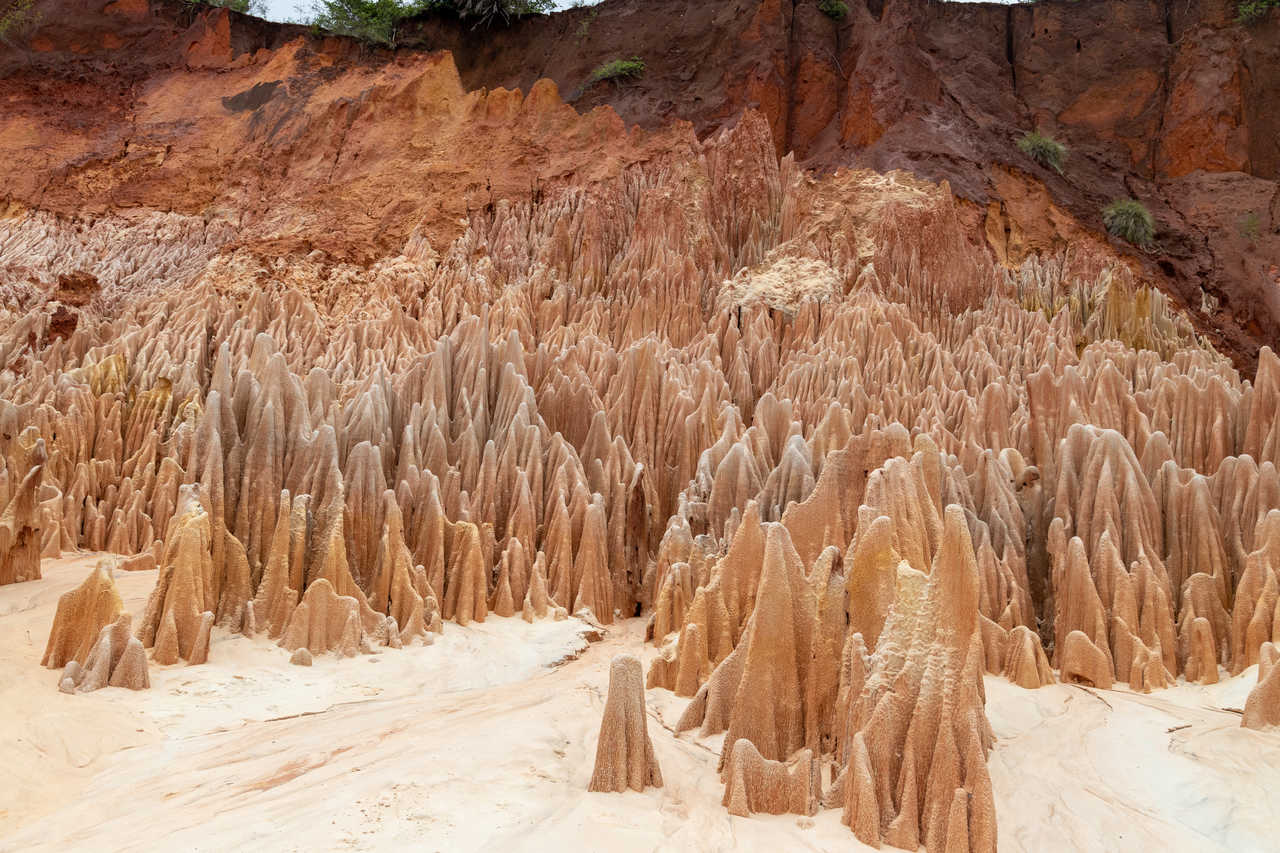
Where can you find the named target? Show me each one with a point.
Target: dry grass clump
(1045, 150)
(1130, 220)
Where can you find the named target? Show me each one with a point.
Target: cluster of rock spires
(842, 488)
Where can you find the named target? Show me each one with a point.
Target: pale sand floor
(476, 743)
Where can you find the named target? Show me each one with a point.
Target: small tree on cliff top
(257, 8)
(379, 21)
(17, 19)
(370, 20)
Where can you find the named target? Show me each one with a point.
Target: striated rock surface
(756, 784)
(82, 614)
(624, 753)
(1262, 708)
(846, 439)
(117, 659)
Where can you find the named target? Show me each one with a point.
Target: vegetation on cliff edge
(1130, 220)
(618, 69)
(379, 21)
(17, 18)
(1045, 150)
(1251, 11)
(257, 8)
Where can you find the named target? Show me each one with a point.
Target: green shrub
(488, 11)
(618, 69)
(257, 8)
(833, 9)
(17, 18)
(1252, 11)
(376, 21)
(1130, 220)
(1045, 150)
(379, 21)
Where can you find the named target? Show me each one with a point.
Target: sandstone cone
(756, 784)
(919, 715)
(117, 659)
(465, 586)
(537, 605)
(276, 597)
(173, 621)
(1026, 664)
(1083, 662)
(624, 753)
(765, 680)
(324, 622)
(1262, 708)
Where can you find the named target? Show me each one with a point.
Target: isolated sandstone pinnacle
(624, 753)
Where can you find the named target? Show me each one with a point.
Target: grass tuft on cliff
(1252, 11)
(833, 9)
(618, 69)
(1045, 150)
(1130, 220)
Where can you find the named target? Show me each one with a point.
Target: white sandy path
(1082, 769)
(473, 744)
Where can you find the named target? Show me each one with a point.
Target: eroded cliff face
(1164, 101)
(157, 106)
(348, 346)
(296, 144)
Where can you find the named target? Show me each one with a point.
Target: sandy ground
(481, 742)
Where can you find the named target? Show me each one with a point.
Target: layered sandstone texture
(351, 352)
(624, 752)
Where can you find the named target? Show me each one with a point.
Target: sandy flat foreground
(486, 740)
